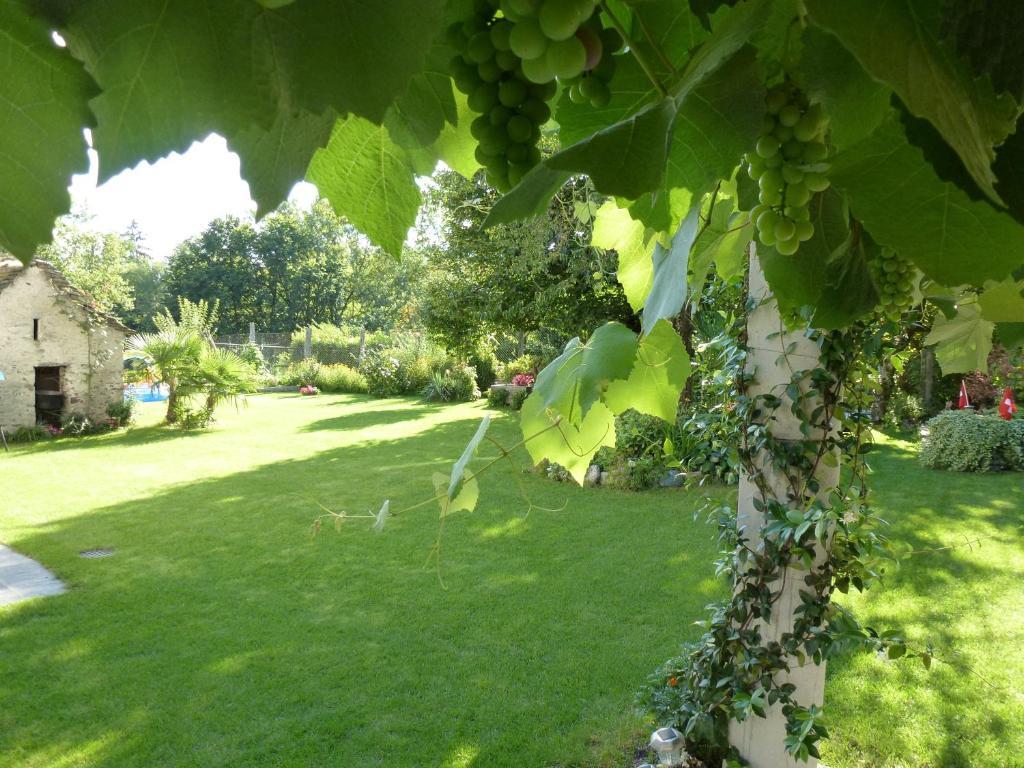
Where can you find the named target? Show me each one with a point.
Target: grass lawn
(222, 634)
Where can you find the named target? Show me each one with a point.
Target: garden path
(22, 578)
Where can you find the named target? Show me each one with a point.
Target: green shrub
(123, 412)
(30, 434)
(253, 357)
(334, 344)
(340, 378)
(486, 366)
(635, 474)
(516, 399)
(77, 425)
(904, 409)
(188, 418)
(963, 441)
(300, 373)
(497, 398)
(452, 385)
(530, 364)
(404, 368)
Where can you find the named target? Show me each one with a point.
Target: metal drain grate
(92, 554)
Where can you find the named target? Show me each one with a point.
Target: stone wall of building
(88, 349)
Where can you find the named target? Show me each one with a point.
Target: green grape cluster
(789, 165)
(896, 278)
(511, 52)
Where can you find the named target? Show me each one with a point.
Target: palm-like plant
(222, 376)
(171, 356)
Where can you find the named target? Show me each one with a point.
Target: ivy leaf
(574, 381)
(615, 230)
(1002, 302)
(900, 47)
(658, 376)
(668, 285)
(554, 438)
(369, 179)
(44, 97)
(906, 206)
(963, 343)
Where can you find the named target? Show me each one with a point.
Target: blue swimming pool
(146, 393)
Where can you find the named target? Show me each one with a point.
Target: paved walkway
(22, 577)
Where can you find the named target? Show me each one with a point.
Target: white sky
(174, 198)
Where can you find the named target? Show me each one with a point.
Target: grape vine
(512, 56)
(790, 165)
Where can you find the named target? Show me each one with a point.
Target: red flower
(673, 682)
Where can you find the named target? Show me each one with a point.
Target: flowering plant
(523, 380)
(308, 389)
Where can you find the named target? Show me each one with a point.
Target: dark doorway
(49, 395)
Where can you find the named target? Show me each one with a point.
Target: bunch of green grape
(896, 278)
(511, 52)
(789, 165)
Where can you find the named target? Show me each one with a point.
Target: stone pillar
(307, 347)
(252, 333)
(362, 345)
(761, 740)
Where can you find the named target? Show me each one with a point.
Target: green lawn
(222, 634)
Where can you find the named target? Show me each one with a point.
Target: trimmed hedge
(962, 441)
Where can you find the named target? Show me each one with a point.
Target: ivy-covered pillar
(778, 369)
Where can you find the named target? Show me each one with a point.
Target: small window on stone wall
(35, 329)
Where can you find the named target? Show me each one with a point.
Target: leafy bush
(456, 384)
(123, 412)
(334, 344)
(497, 398)
(486, 366)
(530, 364)
(517, 398)
(253, 357)
(708, 442)
(340, 378)
(300, 373)
(639, 435)
(962, 441)
(31, 434)
(77, 425)
(192, 418)
(635, 474)
(404, 368)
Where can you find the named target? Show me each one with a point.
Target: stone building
(58, 355)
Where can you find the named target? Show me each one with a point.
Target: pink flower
(522, 380)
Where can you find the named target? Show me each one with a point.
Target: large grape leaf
(848, 292)
(458, 472)
(903, 203)
(987, 35)
(1002, 302)
(658, 376)
(428, 103)
(550, 436)
(897, 42)
(369, 179)
(665, 28)
(723, 242)
(670, 266)
(574, 381)
(963, 343)
(855, 102)
(356, 56)
(170, 72)
(44, 97)
(456, 145)
(615, 230)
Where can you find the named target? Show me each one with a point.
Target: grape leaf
(1011, 335)
(574, 381)
(904, 205)
(530, 197)
(369, 179)
(615, 230)
(723, 243)
(848, 292)
(353, 55)
(963, 343)
(170, 73)
(986, 35)
(658, 376)
(551, 437)
(1002, 302)
(896, 41)
(44, 97)
(456, 145)
(464, 501)
(470, 450)
(855, 103)
(631, 91)
(428, 103)
(669, 281)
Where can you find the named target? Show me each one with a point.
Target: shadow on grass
(377, 412)
(221, 633)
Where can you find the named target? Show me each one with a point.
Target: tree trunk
(172, 401)
(773, 356)
(683, 323)
(927, 378)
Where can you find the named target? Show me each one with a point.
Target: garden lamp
(668, 743)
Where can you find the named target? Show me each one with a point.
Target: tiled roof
(10, 268)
